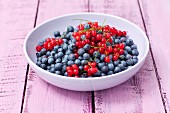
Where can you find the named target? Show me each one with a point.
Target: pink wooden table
(22, 91)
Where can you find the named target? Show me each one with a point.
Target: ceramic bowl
(60, 23)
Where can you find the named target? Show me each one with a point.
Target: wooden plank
(42, 97)
(157, 22)
(16, 19)
(141, 93)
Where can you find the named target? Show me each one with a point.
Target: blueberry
(100, 65)
(73, 40)
(135, 61)
(111, 57)
(58, 66)
(57, 72)
(56, 56)
(65, 74)
(71, 57)
(122, 57)
(38, 54)
(135, 52)
(87, 47)
(104, 69)
(117, 41)
(129, 42)
(122, 39)
(96, 54)
(56, 34)
(97, 60)
(84, 62)
(43, 66)
(86, 26)
(53, 53)
(50, 60)
(121, 66)
(43, 51)
(110, 73)
(70, 29)
(108, 44)
(83, 37)
(116, 62)
(76, 29)
(78, 62)
(81, 68)
(103, 74)
(39, 58)
(123, 63)
(52, 70)
(44, 60)
(128, 49)
(48, 67)
(72, 46)
(58, 60)
(125, 52)
(117, 69)
(102, 57)
(40, 43)
(128, 56)
(111, 66)
(60, 54)
(65, 57)
(86, 56)
(81, 51)
(65, 47)
(56, 48)
(133, 46)
(135, 57)
(70, 62)
(38, 63)
(68, 52)
(48, 53)
(129, 62)
(97, 74)
(80, 58)
(65, 40)
(60, 49)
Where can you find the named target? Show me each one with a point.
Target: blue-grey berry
(117, 69)
(121, 66)
(111, 66)
(129, 62)
(116, 41)
(60, 49)
(38, 54)
(70, 62)
(86, 56)
(50, 60)
(53, 53)
(58, 60)
(128, 49)
(135, 61)
(116, 62)
(78, 62)
(38, 63)
(108, 44)
(87, 47)
(81, 51)
(60, 54)
(43, 66)
(65, 47)
(122, 57)
(56, 48)
(65, 74)
(84, 62)
(104, 69)
(129, 42)
(102, 57)
(96, 54)
(110, 73)
(70, 29)
(97, 74)
(83, 37)
(56, 34)
(103, 74)
(48, 53)
(68, 52)
(81, 68)
(58, 66)
(57, 72)
(135, 52)
(72, 57)
(86, 26)
(97, 60)
(48, 67)
(133, 46)
(122, 39)
(44, 60)
(100, 65)
(52, 70)
(123, 63)
(43, 51)
(128, 56)
(80, 58)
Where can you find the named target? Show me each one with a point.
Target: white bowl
(85, 84)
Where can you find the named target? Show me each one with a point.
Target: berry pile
(89, 50)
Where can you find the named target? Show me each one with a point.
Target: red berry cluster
(98, 40)
(49, 44)
(91, 68)
(72, 70)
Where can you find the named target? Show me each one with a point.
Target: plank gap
(27, 71)
(24, 91)
(154, 63)
(92, 102)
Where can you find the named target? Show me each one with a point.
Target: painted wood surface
(141, 93)
(16, 19)
(157, 21)
(42, 97)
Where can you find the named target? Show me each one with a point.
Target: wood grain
(16, 19)
(157, 21)
(42, 97)
(141, 93)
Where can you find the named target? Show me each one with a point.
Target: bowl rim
(89, 78)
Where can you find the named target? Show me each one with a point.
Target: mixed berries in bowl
(85, 52)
